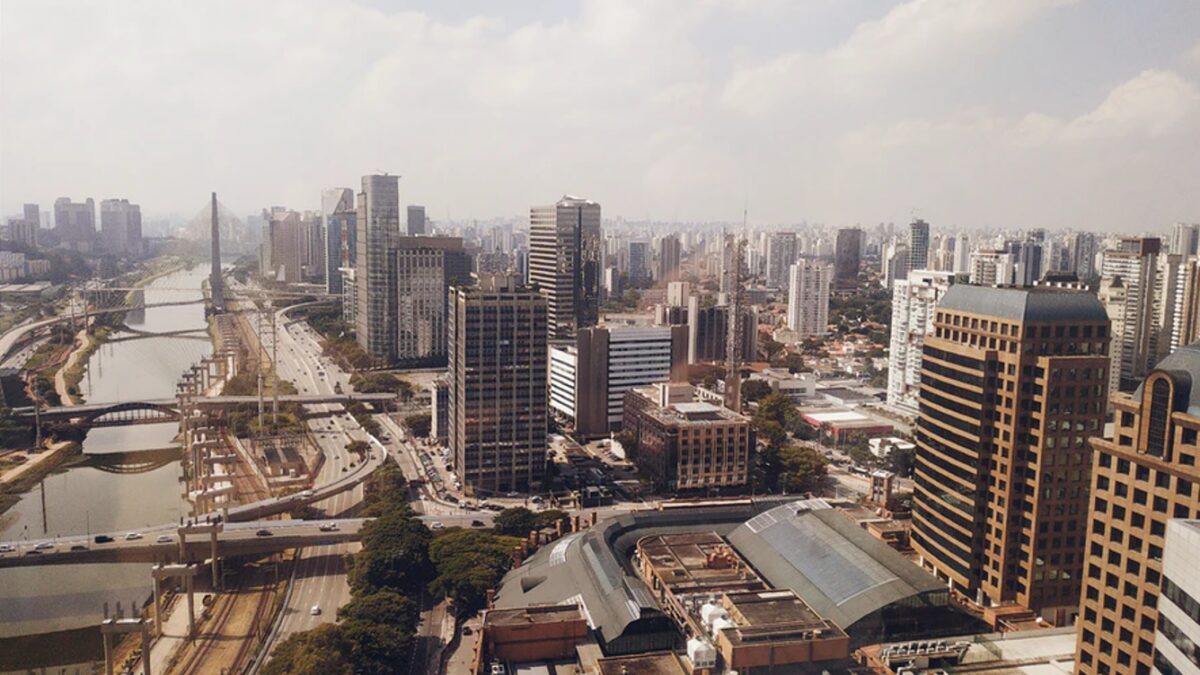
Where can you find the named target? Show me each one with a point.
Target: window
(1160, 411)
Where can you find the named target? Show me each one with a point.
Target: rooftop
(655, 663)
(697, 562)
(1184, 366)
(1024, 304)
(527, 616)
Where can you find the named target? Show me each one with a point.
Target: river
(92, 497)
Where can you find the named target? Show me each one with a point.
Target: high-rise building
(1083, 255)
(1178, 634)
(669, 253)
(378, 226)
(286, 241)
(685, 445)
(416, 220)
(991, 267)
(1137, 310)
(639, 261)
(708, 332)
(913, 303)
(338, 214)
(1143, 476)
(808, 298)
(678, 293)
(426, 269)
(564, 262)
(497, 372)
(312, 253)
(588, 379)
(121, 226)
(894, 263)
(847, 256)
(22, 231)
(1029, 263)
(75, 223)
(781, 254)
(962, 254)
(32, 215)
(918, 245)
(1189, 330)
(1185, 239)
(1012, 381)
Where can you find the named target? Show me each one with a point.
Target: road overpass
(169, 407)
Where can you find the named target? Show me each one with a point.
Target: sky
(975, 113)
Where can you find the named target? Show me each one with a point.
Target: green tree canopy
(468, 563)
(517, 521)
(803, 468)
(315, 652)
(395, 554)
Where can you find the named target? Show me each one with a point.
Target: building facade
(1177, 639)
(1142, 477)
(378, 226)
(121, 226)
(918, 245)
(426, 269)
(497, 373)
(781, 255)
(669, 253)
(1137, 310)
(75, 223)
(1012, 383)
(808, 298)
(913, 303)
(416, 220)
(338, 216)
(847, 256)
(992, 267)
(565, 262)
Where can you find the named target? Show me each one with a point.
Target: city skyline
(695, 112)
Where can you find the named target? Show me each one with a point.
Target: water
(91, 498)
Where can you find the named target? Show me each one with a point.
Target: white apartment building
(992, 267)
(1178, 630)
(913, 303)
(808, 298)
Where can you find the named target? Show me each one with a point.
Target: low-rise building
(796, 386)
(839, 426)
(687, 445)
(537, 633)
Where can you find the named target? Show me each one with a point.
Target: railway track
(196, 661)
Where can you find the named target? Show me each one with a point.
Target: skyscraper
(668, 258)
(286, 231)
(338, 215)
(808, 298)
(497, 372)
(639, 261)
(913, 303)
(991, 267)
(1012, 380)
(1083, 255)
(564, 262)
(962, 254)
(378, 226)
(918, 245)
(32, 215)
(1029, 264)
(121, 226)
(426, 268)
(1185, 239)
(847, 256)
(75, 223)
(416, 220)
(216, 282)
(1136, 311)
(781, 253)
(1142, 477)
(893, 263)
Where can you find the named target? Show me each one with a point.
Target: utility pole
(274, 370)
(260, 373)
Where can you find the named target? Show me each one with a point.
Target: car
(163, 539)
(498, 669)
(466, 630)
(7, 548)
(315, 610)
(345, 468)
(436, 525)
(264, 533)
(33, 551)
(477, 523)
(79, 547)
(133, 535)
(43, 545)
(102, 539)
(328, 527)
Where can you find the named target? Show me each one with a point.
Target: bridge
(162, 544)
(167, 409)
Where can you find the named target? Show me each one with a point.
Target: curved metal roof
(1024, 304)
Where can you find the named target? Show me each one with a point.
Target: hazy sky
(1044, 113)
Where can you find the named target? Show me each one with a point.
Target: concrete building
(378, 227)
(416, 220)
(678, 293)
(669, 254)
(565, 264)
(426, 268)
(32, 214)
(799, 387)
(1177, 640)
(962, 254)
(1030, 263)
(913, 303)
(121, 226)
(312, 251)
(918, 245)
(1137, 310)
(285, 244)
(439, 412)
(847, 257)
(497, 371)
(23, 232)
(808, 298)
(708, 332)
(1082, 254)
(338, 216)
(1185, 239)
(588, 379)
(781, 255)
(75, 223)
(992, 267)
(1012, 380)
(687, 446)
(1189, 323)
(1143, 476)
(639, 262)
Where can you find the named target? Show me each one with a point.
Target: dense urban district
(357, 440)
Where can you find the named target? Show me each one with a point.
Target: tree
(517, 521)
(803, 468)
(315, 652)
(549, 517)
(753, 390)
(395, 554)
(358, 447)
(419, 424)
(468, 563)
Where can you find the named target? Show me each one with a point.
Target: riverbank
(68, 377)
(21, 478)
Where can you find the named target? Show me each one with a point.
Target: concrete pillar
(108, 662)
(594, 516)
(216, 572)
(191, 606)
(157, 602)
(145, 652)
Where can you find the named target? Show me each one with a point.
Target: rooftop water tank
(701, 654)
(721, 623)
(710, 612)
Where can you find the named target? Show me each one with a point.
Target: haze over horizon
(1024, 113)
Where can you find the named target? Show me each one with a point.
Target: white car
(43, 545)
(315, 611)
(133, 535)
(436, 525)
(163, 539)
(7, 548)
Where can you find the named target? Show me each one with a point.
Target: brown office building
(497, 373)
(1013, 381)
(687, 445)
(1144, 476)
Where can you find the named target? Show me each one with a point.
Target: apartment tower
(378, 227)
(565, 262)
(914, 301)
(1012, 382)
(847, 257)
(918, 245)
(808, 298)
